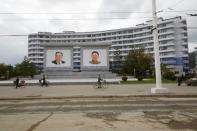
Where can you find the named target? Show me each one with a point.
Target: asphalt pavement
(85, 108)
(61, 91)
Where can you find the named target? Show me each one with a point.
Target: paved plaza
(125, 107)
(89, 91)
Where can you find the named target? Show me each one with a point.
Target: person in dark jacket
(17, 82)
(44, 81)
(179, 80)
(99, 81)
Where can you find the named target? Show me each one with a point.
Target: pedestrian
(44, 81)
(17, 82)
(99, 81)
(40, 81)
(179, 80)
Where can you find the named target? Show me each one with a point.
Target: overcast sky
(22, 17)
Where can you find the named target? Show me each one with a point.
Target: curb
(78, 97)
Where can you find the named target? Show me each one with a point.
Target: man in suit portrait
(58, 58)
(95, 58)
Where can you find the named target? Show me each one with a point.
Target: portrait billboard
(58, 58)
(95, 57)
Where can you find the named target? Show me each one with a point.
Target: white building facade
(173, 43)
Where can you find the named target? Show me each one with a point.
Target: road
(110, 113)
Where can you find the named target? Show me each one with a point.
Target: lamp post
(158, 88)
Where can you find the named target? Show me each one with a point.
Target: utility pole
(158, 88)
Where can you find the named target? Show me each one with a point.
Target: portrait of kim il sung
(58, 58)
(95, 58)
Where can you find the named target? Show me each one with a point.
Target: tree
(137, 62)
(192, 60)
(26, 68)
(3, 71)
(6, 71)
(167, 73)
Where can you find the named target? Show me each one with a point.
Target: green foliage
(169, 76)
(124, 77)
(6, 71)
(3, 71)
(26, 68)
(167, 73)
(137, 63)
(192, 60)
(147, 81)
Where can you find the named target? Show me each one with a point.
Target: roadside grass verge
(146, 81)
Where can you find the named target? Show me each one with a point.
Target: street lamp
(158, 88)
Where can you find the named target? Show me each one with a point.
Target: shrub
(140, 78)
(124, 77)
(169, 75)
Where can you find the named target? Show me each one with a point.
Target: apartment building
(173, 43)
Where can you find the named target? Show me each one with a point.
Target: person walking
(99, 81)
(179, 80)
(17, 82)
(44, 81)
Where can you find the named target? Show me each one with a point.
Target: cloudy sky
(22, 17)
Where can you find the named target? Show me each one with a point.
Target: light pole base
(159, 90)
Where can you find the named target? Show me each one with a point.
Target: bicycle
(21, 84)
(42, 84)
(103, 84)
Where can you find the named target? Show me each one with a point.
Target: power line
(171, 8)
(100, 12)
(22, 35)
(56, 19)
(12, 35)
(38, 13)
(74, 18)
(78, 19)
(176, 4)
(182, 11)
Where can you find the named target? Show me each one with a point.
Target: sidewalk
(62, 81)
(63, 91)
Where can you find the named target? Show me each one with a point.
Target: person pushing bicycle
(99, 81)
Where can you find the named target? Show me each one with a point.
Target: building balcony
(186, 61)
(32, 57)
(76, 47)
(35, 53)
(76, 65)
(132, 44)
(168, 50)
(40, 62)
(184, 37)
(170, 66)
(167, 38)
(168, 44)
(35, 48)
(76, 60)
(36, 38)
(167, 56)
(76, 52)
(169, 26)
(168, 62)
(76, 56)
(166, 33)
